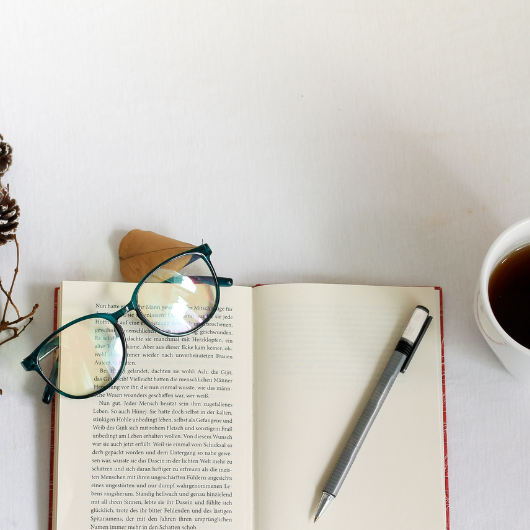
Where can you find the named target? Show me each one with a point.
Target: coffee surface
(509, 294)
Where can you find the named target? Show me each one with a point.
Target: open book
(238, 425)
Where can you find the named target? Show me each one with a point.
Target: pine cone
(5, 156)
(9, 214)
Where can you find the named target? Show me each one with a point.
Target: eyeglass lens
(83, 358)
(179, 296)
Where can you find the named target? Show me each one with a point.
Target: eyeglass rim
(107, 316)
(204, 252)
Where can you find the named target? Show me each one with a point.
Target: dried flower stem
(6, 325)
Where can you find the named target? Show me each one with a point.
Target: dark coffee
(509, 294)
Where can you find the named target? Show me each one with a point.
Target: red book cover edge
(444, 411)
(52, 430)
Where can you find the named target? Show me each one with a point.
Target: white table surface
(306, 141)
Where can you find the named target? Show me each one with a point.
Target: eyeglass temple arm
(223, 282)
(49, 391)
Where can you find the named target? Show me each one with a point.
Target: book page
(319, 350)
(169, 446)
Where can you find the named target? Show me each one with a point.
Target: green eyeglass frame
(49, 345)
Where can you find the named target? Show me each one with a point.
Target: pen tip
(323, 504)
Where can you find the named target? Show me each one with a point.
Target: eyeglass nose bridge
(123, 311)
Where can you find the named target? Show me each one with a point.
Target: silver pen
(399, 362)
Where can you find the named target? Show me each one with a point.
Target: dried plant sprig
(9, 215)
(13, 325)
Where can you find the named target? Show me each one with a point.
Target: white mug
(514, 356)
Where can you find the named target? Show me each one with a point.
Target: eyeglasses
(89, 354)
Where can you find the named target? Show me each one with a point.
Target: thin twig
(6, 325)
(8, 294)
(16, 332)
(9, 300)
(14, 276)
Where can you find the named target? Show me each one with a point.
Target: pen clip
(416, 344)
